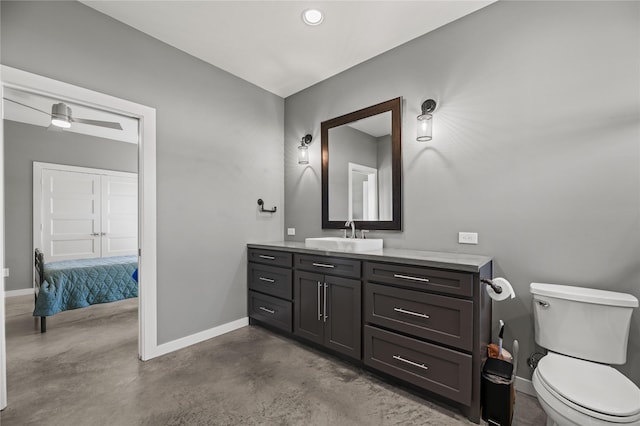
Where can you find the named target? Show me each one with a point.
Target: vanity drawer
(442, 371)
(442, 319)
(270, 257)
(271, 280)
(328, 265)
(448, 282)
(270, 310)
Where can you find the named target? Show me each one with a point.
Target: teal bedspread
(73, 284)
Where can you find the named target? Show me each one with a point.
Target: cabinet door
(308, 306)
(343, 312)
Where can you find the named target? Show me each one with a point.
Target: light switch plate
(291, 231)
(467, 237)
(5, 272)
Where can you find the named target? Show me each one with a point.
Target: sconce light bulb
(303, 154)
(425, 123)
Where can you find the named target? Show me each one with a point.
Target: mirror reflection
(362, 168)
(360, 181)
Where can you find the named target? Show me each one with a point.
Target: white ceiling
(266, 42)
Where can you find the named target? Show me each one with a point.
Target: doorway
(14, 79)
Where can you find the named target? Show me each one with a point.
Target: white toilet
(584, 330)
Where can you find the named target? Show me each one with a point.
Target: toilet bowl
(576, 392)
(584, 331)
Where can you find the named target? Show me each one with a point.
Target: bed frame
(39, 279)
(74, 277)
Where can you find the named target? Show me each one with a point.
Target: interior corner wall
(24, 144)
(219, 148)
(535, 147)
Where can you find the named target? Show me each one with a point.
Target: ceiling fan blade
(107, 124)
(28, 106)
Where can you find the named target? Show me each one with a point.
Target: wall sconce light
(303, 149)
(425, 121)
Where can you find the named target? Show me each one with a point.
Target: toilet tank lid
(582, 294)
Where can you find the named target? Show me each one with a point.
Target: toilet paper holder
(499, 288)
(495, 287)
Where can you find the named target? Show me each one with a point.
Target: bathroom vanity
(416, 317)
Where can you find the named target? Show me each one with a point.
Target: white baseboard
(525, 386)
(20, 292)
(201, 336)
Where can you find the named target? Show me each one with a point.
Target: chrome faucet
(353, 228)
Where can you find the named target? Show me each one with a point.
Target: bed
(73, 284)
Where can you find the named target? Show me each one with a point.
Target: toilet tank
(582, 322)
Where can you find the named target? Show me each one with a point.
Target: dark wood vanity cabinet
(426, 326)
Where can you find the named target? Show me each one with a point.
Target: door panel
(119, 216)
(342, 328)
(71, 227)
(307, 296)
(72, 249)
(70, 215)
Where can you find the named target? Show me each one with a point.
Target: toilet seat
(595, 390)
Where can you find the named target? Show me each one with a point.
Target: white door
(119, 230)
(71, 207)
(82, 213)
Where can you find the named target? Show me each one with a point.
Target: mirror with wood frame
(362, 168)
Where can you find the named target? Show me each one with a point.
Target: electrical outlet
(5, 272)
(467, 237)
(291, 231)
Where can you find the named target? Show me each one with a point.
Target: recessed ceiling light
(312, 17)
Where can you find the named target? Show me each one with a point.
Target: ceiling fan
(61, 117)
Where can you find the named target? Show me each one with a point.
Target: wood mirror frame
(394, 106)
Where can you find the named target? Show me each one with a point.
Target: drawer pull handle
(264, 256)
(408, 277)
(271, 311)
(415, 314)
(415, 364)
(323, 265)
(269, 280)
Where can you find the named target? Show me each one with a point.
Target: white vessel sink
(346, 244)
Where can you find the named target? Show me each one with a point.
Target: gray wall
(535, 147)
(219, 149)
(24, 144)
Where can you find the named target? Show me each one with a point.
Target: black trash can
(498, 394)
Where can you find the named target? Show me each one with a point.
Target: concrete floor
(85, 371)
